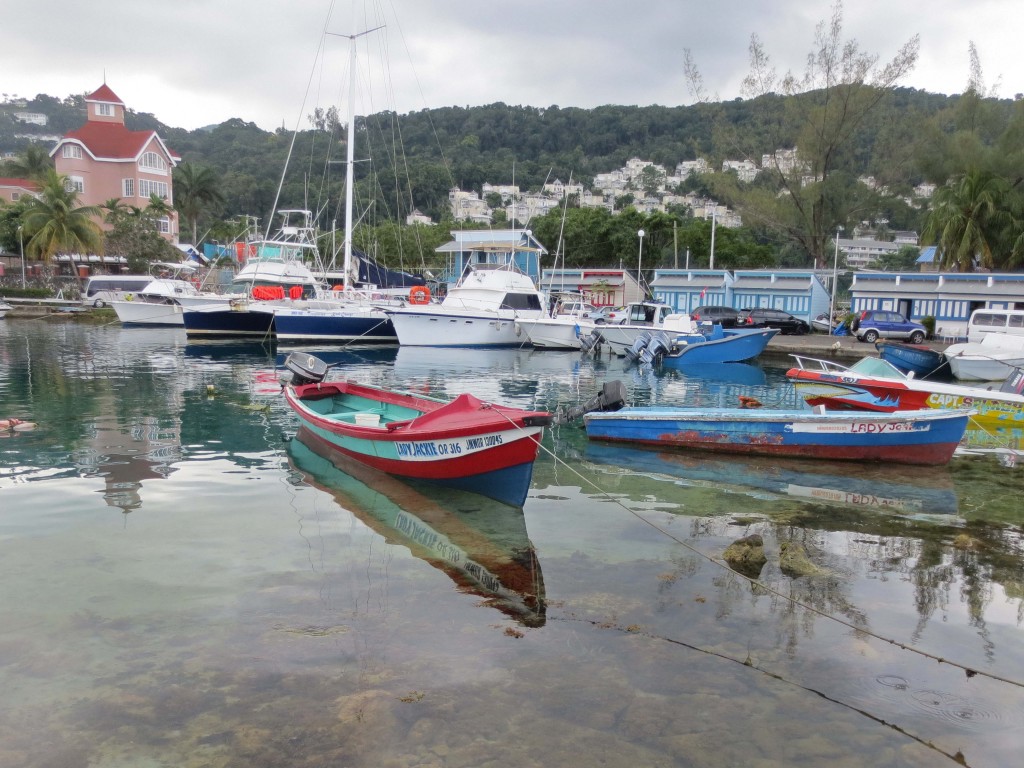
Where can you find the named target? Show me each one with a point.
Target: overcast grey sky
(199, 62)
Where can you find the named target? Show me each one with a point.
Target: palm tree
(55, 223)
(32, 165)
(196, 190)
(965, 220)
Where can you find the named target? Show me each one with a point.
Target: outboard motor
(633, 352)
(657, 347)
(590, 341)
(612, 397)
(305, 368)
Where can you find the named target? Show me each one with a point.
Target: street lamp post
(21, 243)
(835, 273)
(639, 263)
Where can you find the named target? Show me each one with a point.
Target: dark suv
(727, 317)
(763, 317)
(873, 324)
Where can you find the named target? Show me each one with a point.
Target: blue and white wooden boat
(922, 361)
(908, 437)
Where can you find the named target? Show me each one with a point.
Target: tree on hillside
(196, 191)
(55, 223)
(135, 235)
(820, 115)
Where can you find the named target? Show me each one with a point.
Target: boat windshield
(873, 366)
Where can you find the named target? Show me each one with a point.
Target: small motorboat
(464, 443)
(685, 343)
(926, 437)
(872, 384)
(924, 362)
(991, 359)
(4, 308)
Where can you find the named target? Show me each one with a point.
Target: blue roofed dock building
(802, 293)
(495, 247)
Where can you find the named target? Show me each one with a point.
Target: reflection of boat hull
(484, 549)
(919, 437)
(465, 443)
(916, 491)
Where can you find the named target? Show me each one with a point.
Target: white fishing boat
(990, 359)
(480, 311)
(158, 303)
(4, 308)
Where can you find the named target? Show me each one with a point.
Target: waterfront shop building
(949, 297)
(600, 287)
(802, 293)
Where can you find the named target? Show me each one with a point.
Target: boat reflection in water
(481, 544)
(917, 490)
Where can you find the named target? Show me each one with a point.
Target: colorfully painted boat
(464, 443)
(872, 384)
(991, 359)
(917, 437)
(922, 361)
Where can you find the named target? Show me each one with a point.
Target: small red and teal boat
(464, 443)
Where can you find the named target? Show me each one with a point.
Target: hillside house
(103, 159)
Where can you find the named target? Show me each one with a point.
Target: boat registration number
(427, 450)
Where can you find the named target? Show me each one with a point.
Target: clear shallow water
(184, 586)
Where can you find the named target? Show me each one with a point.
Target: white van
(100, 290)
(986, 321)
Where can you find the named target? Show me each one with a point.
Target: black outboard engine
(305, 368)
(590, 341)
(612, 397)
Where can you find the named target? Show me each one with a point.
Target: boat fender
(128, 297)
(518, 328)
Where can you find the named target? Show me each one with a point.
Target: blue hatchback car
(875, 324)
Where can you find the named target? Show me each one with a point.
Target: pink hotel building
(104, 160)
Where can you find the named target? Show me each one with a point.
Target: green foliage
(135, 236)
(55, 223)
(929, 324)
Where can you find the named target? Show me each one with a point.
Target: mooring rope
(969, 671)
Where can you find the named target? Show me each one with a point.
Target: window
(127, 187)
(76, 184)
(158, 188)
(163, 225)
(15, 196)
(72, 151)
(152, 162)
(106, 110)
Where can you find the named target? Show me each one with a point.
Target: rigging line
(957, 758)
(754, 583)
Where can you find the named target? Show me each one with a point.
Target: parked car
(579, 308)
(609, 315)
(727, 317)
(873, 324)
(762, 317)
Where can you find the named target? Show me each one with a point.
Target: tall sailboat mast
(350, 147)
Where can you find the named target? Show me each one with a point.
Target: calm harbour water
(184, 585)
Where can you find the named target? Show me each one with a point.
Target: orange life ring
(419, 294)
